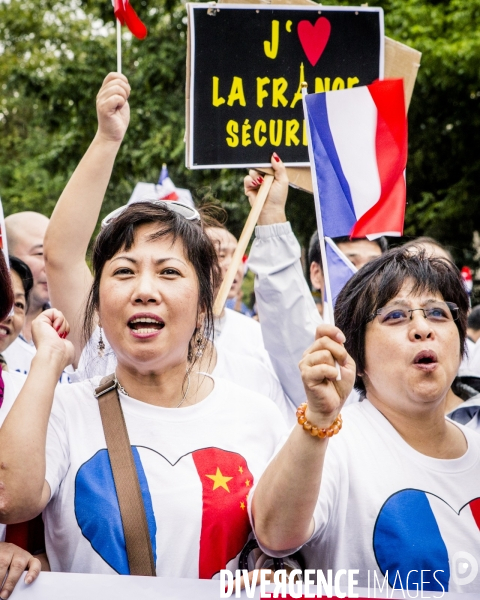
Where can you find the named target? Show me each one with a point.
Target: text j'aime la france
(271, 93)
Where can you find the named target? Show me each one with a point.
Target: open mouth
(146, 323)
(425, 358)
(4, 330)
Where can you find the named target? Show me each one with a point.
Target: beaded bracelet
(315, 431)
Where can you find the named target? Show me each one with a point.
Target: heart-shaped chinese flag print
(416, 531)
(210, 483)
(314, 38)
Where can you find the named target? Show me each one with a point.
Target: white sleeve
(286, 309)
(473, 360)
(57, 452)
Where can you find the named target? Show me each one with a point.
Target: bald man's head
(25, 233)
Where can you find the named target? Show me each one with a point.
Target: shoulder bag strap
(132, 509)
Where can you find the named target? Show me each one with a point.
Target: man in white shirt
(233, 330)
(25, 233)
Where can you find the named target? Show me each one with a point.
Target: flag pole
(329, 317)
(119, 46)
(242, 245)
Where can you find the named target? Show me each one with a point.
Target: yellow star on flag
(219, 480)
(242, 505)
(247, 483)
(240, 469)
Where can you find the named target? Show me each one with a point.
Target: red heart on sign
(314, 38)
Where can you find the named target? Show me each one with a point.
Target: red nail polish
(260, 179)
(276, 157)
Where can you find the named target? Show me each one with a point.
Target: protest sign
(401, 61)
(244, 102)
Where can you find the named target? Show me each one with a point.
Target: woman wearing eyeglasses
(197, 443)
(395, 492)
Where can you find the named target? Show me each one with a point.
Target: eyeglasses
(189, 213)
(395, 314)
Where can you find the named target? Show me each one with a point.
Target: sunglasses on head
(189, 213)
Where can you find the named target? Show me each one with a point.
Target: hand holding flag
(126, 15)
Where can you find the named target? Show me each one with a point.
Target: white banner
(73, 586)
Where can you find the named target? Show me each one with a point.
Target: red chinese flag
(226, 482)
(125, 13)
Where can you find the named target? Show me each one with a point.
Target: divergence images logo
(464, 568)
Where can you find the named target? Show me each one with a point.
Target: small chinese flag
(125, 13)
(226, 483)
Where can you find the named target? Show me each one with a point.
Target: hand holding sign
(274, 208)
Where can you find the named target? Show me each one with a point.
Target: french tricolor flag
(358, 153)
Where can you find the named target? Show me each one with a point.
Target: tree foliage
(55, 53)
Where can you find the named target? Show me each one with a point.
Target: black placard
(245, 95)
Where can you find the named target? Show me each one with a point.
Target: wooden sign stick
(242, 245)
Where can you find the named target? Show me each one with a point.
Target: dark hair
(23, 271)
(120, 234)
(6, 297)
(314, 246)
(473, 321)
(380, 280)
(428, 240)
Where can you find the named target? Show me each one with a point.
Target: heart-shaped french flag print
(218, 480)
(314, 38)
(416, 530)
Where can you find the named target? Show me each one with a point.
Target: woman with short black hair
(400, 483)
(196, 443)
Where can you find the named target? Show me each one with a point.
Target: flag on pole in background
(359, 148)
(340, 269)
(164, 190)
(125, 13)
(165, 187)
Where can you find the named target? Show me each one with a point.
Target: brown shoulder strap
(132, 509)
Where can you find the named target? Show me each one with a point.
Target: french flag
(340, 269)
(358, 153)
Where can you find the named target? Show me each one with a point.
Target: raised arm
(24, 493)
(285, 497)
(76, 214)
(282, 293)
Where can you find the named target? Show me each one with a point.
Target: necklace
(124, 391)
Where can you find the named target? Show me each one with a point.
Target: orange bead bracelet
(317, 431)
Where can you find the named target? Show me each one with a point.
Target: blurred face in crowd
(360, 252)
(27, 231)
(149, 302)
(225, 244)
(410, 363)
(432, 250)
(11, 327)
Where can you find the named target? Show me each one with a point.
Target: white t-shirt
(243, 369)
(19, 356)
(242, 335)
(383, 506)
(196, 466)
(13, 383)
(465, 365)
